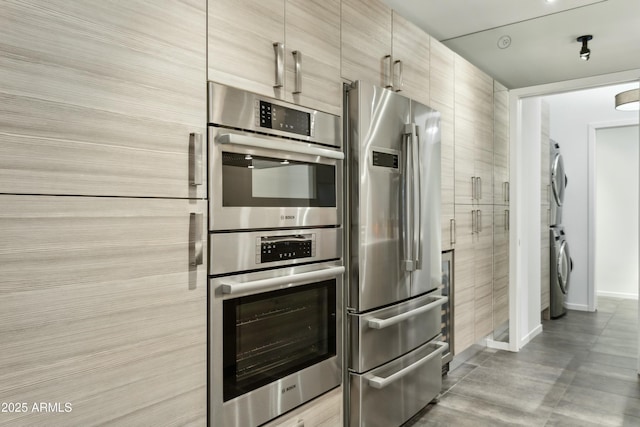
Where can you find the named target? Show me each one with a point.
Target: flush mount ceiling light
(585, 52)
(628, 100)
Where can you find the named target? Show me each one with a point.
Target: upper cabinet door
(410, 68)
(103, 98)
(366, 41)
(312, 35)
(500, 144)
(241, 45)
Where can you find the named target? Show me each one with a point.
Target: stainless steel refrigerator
(395, 270)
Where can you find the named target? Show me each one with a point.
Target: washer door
(564, 266)
(558, 181)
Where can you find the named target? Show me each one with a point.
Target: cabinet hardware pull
(479, 188)
(297, 60)
(388, 83)
(506, 220)
(197, 246)
(399, 83)
(479, 220)
(473, 188)
(195, 153)
(452, 231)
(474, 218)
(379, 382)
(278, 49)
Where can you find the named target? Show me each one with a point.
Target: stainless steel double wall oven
(276, 267)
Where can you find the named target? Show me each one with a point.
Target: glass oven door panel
(258, 181)
(271, 335)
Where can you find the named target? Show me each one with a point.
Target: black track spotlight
(585, 52)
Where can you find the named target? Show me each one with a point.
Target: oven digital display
(284, 119)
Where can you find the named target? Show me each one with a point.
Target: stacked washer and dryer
(561, 263)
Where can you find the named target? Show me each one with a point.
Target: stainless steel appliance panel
(377, 119)
(448, 284)
(242, 251)
(284, 393)
(382, 335)
(304, 185)
(426, 198)
(236, 108)
(393, 393)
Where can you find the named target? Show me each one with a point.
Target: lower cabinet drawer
(394, 392)
(324, 411)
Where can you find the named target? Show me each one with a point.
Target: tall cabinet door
(312, 32)
(500, 266)
(501, 185)
(103, 301)
(410, 53)
(483, 286)
(545, 208)
(101, 98)
(464, 273)
(241, 44)
(441, 94)
(366, 41)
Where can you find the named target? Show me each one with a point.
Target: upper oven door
(258, 182)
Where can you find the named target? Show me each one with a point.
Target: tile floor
(580, 371)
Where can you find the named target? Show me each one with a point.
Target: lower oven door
(393, 393)
(275, 341)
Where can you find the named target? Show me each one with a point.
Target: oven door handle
(231, 288)
(379, 382)
(383, 323)
(284, 145)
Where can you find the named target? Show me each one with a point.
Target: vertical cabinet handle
(479, 220)
(196, 156)
(506, 220)
(479, 186)
(473, 187)
(196, 249)
(505, 187)
(473, 221)
(278, 49)
(398, 82)
(387, 67)
(452, 231)
(297, 61)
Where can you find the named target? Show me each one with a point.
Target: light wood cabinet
(441, 92)
(324, 411)
(101, 98)
(242, 54)
(383, 48)
(102, 309)
(501, 173)
(500, 266)
(473, 134)
(473, 289)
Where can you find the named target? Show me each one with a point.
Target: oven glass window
(270, 182)
(271, 335)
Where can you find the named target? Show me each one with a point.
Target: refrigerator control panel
(385, 160)
(280, 248)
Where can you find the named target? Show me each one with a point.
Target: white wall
(616, 219)
(528, 225)
(571, 115)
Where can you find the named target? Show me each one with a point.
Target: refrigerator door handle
(379, 382)
(407, 200)
(417, 197)
(375, 323)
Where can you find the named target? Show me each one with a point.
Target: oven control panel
(281, 248)
(284, 119)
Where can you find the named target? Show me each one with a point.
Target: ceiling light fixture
(585, 52)
(628, 100)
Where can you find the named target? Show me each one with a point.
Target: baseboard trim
(531, 335)
(577, 307)
(617, 295)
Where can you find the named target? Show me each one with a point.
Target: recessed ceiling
(542, 47)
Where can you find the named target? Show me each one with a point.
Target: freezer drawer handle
(257, 285)
(383, 323)
(379, 383)
(252, 141)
